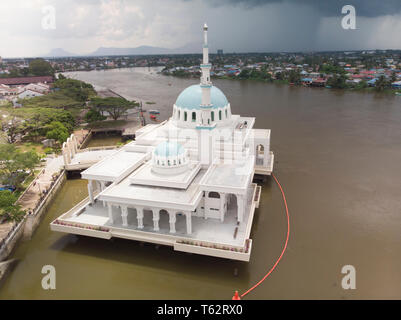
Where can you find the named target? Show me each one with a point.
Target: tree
(57, 131)
(40, 67)
(7, 198)
(244, 74)
(16, 165)
(12, 128)
(38, 119)
(279, 76)
(94, 116)
(294, 76)
(8, 208)
(75, 89)
(115, 107)
(338, 82)
(362, 85)
(381, 84)
(393, 77)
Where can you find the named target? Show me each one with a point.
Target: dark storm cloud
(329, 8)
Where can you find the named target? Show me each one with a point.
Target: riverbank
(34, 201)
(354, 88)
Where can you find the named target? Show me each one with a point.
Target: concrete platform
(209, 236)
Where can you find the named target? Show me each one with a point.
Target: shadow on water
(153, 256)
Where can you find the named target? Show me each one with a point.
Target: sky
(34, 27)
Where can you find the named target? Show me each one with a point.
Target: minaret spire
(207, 115)
(206, 84)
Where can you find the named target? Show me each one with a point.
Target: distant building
(7, 92)
(26, 80)
(396, 84)
(29, 93)
(220, 52)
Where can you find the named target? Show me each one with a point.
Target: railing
(47, 193)
(209, 245)
(4, 241)
(98, 149)
(30, 185)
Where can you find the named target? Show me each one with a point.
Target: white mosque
(185, 183)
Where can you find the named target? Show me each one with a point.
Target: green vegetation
(337, 82)
(115, 107)
(37, 67)
(75, 89)
(331, 69)
(180, 73)
(94, 116)
(51, 116)
(53, 100)
(255, 75)
(361, 85)
(37, 123)
(57, 131)
(8, 208)
(40, 67)
(382, 84)
(294, 76)
(15, 165)
(68, 94)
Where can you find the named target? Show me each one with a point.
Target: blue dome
(169, 149)
(191, 98)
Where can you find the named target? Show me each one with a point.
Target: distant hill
(59, 52)
(104, 51)
(144, 50)
(141, 50)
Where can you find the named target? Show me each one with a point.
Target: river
(338, 157)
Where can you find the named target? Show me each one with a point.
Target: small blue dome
(191, 98)
(169, 149)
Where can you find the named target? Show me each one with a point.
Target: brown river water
(338, 157)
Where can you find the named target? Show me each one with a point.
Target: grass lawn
(53, 100)
(28, 146)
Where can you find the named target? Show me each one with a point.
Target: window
(179, 114)
(212, 115)
(226, 114)
(220, 115)
(193, 116)
(185, 116)
(214, 195)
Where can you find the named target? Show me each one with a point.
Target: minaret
(205, 139)
(206, 84)
(205, 66)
